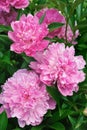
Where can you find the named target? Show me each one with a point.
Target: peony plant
(43, 56)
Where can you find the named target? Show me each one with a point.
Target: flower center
(25, 95)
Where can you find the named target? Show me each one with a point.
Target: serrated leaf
(57, 126)
(4, 28)
(54, 26)
(3, 121)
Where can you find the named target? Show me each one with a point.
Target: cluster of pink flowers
(7, 14)
(28, 35)
(24, 96)
(5, 5)
(52, 15)
(58, 64)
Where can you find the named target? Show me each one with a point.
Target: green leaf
(81, 27)
(55, 118)
(1, 54)
(20, 12)
(79, 11)
(27, 58)
(54, 93)
(84, 14)
(62, 5)
(76, 123)
(42, 18)
(11, 69)
(48, 114)
(57, 126)
(5, 39)
(17, 129)
(79, 122)
(3, 121)
(24, 65)
(54, 26)
(40, 127)
(83, 39)
(41, 1)
(72, 120)
(2, 77)
(6, 58)
(4, 28)
(75, 4)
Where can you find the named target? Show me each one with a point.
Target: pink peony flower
(7, 18)
(25, 97)
(58, 64)
(4, 5)
(18, 4)
(28, 35)
(53, 15)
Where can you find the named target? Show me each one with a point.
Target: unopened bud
(85, 111)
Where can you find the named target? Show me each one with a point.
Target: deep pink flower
(25, 97)
(53, 15)
(58, 64)
(7, 18)
(18, 4)
(28, 35)
(5, 5)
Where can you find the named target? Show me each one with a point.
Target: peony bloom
(28, 35)
(4, 5)
(53, 15)
(7, 18)
(25, 97)
(18, 4)
(59, 64)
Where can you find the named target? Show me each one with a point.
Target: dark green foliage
(3, 121)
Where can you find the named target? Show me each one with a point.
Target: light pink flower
(53, 15)
(18, 4)
(25, 97)
(28, 35)
(59, 64)
(7, 18)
